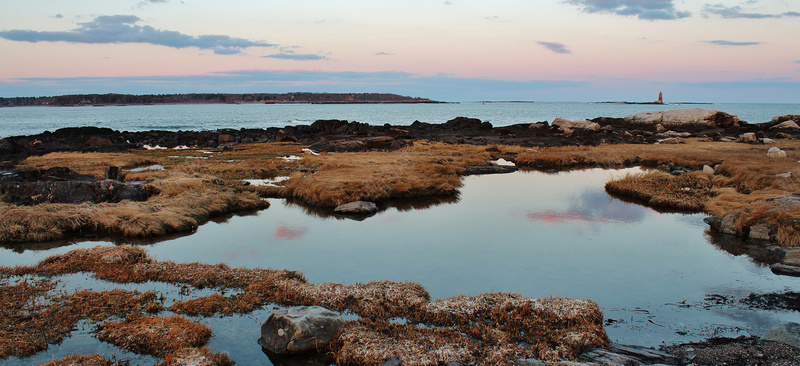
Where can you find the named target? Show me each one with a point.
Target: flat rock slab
(690, 117)
(357, 208)
(300, 329)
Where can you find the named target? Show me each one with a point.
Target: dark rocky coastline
(339, 135)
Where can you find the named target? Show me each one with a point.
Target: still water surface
(532, 233)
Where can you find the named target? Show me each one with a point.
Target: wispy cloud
(297, 56)
(384, 54)
(124, 29)
(720, 42)
(148, 2)
(555, 47)
(738, 12)
(642, 9)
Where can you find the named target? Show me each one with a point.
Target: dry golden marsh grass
(485, 329)
(197, 184)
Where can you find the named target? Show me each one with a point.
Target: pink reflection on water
(283, 232)
(592, 207)
(552, 217)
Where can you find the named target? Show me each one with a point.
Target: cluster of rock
(62, 185)
(788, 258)
(340, 136)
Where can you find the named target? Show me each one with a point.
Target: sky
(454, 50)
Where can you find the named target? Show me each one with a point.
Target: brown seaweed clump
(372, 343)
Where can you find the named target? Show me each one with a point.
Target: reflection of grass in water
(744, 184)
(494, 323)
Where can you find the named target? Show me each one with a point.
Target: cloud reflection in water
(593, 206)
(283, 232)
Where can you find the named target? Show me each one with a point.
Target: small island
(208, 98)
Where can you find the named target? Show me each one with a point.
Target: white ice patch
(266, 182)
(146, 168)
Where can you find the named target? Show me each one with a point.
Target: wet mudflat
(659, 278)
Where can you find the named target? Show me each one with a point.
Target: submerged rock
(357, 208)
(788, 333)
(300, 329)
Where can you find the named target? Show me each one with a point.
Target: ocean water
(33, 120)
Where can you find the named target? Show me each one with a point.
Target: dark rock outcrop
(62, 185)
(74, 191)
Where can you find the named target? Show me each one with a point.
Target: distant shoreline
(210, 98)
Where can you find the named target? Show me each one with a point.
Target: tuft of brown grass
(372, 343)
(181, 206)
(372, 300)
(130, 264)
(556, 328)
(486, 329)
(89, 163)
(154, 335)
(424, 169)
(82, 360)
(688, 192)
(196, 357)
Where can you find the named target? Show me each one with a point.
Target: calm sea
(33, 120)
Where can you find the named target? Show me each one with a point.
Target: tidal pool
(658, 277)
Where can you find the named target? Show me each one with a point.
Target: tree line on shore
(115, 99)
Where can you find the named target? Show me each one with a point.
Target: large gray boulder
(300, 329)
(690, 118)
